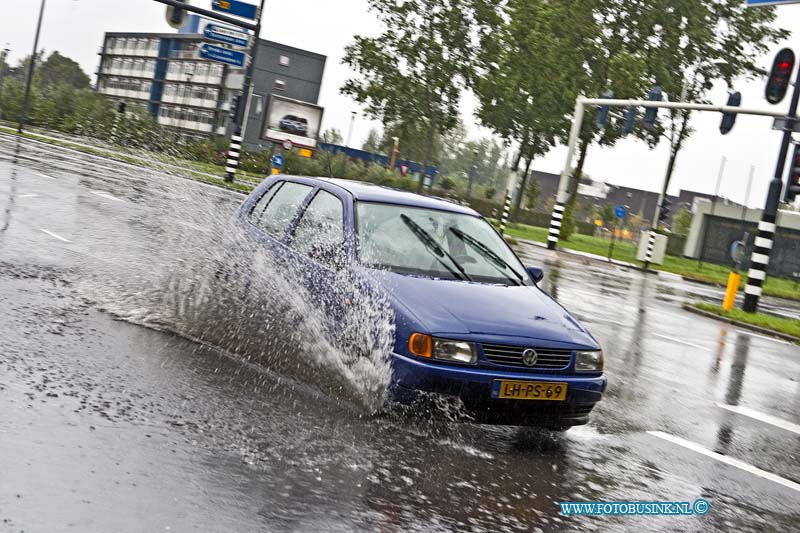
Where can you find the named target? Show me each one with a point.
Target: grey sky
(75, 28)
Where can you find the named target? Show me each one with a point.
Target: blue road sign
(620, 211)
(226, 35)
(223, 55)
(277, 160)
(235, 7)
(754, 3)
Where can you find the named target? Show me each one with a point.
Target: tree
(532, 193)
(723, 42)
(332, 136)
(412, 75)
(58, 69)
(525, 101)
(373, 141)
(681, 221)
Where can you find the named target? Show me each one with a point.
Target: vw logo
(529, 357)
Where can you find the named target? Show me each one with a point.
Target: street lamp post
(350, 129)
(25, 102)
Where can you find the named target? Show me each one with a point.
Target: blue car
(470, 320)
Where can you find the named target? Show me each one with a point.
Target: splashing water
(201, 277)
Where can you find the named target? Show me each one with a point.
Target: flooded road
(106, 425)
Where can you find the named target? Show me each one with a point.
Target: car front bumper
(413, 378)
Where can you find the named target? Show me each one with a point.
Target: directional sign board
(755, 3)
(620, 211)
(235, 7)
(226, 35)
(277, 160)
(223, 55)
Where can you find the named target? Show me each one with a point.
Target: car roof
(370, 192)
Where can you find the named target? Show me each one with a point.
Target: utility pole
(25, 102)
(762, 245)
(243, 112)
(350, 129)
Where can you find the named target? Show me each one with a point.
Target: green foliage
(606, 213)
(373, 141)
(489, 193)
(58, 69)
(681, 221)
(332, 136)
(568, 222)
(447, 183)
(532, 193)
(411, 76)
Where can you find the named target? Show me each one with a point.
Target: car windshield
(429, 242)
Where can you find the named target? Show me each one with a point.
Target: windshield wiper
(499, 263)
(437, 250)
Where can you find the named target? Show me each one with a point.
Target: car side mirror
(536, 273)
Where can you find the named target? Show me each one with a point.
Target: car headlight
(442, 349)
(589, 361)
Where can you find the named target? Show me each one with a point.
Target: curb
(744, 325)
(589, 257)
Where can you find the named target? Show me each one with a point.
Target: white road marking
(673, 339)
(741, 465)
(765, 337)
(107, 196)
(763, 417)
(31, 195)
(59, 237)
(44, 175)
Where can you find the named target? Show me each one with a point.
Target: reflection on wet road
(109, 426)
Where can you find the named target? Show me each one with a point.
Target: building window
(284, 61)
(280, 85)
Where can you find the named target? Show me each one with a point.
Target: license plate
(529, 390)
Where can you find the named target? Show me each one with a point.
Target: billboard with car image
(291, 120)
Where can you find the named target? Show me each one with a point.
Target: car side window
(282, 207)
(320, 232)
(261, 204)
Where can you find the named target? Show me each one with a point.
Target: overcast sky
(75, 28)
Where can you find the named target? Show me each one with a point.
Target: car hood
(459, 307)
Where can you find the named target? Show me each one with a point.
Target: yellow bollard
(730, 292)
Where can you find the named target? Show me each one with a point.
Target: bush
(447, 183)
(489, 193)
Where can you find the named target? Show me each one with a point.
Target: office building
(164, 74)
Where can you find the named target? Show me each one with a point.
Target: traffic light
(778, 80)
(793, 183)
(650, 114)
(728, 119)
(630, 120)
(176, 16)
(235, 107)
(663, 214)
(604, 110)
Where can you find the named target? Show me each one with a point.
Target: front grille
(548, 359)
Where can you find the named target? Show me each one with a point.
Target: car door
(271, 217)
(320, 246)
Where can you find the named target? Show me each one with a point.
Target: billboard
(291, 120)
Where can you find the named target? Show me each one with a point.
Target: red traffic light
(778, 81)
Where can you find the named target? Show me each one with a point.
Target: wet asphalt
(106, 425)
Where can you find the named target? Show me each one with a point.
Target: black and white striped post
(651, 244)
(243, 109)
(559, 207)
(506, 212)
(758, 262)
(766, 227)
(555, 225)
(233, 157)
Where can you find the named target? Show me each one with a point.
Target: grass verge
(688, 268)
(786, 326)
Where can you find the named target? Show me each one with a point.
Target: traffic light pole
(581, 102)
(759, 259)
(243, 111)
